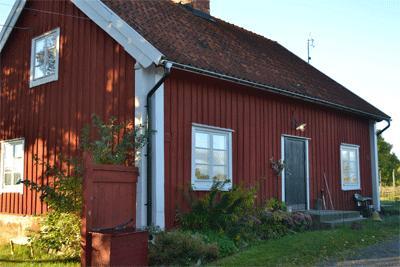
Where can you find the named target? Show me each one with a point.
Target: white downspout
(374, 166)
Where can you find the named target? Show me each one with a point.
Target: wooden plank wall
(95, 76)
(258, 120)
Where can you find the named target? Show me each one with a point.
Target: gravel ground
(383, 254)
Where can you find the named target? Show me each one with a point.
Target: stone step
(338, 223)
(332, 215)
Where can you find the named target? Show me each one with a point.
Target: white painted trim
(11, 188)
(199, 185)
(10, 22)
(306, 143)
(46, 79)
(204, 126)
(135, 44)
(357, 149)
(374, 166)
(295, 136)
(157, 153)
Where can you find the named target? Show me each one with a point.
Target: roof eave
(11, 21)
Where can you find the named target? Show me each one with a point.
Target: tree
(388, 161)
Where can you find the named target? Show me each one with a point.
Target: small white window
(12, 165)
(211, 157)
(44, 58)
(350, 167)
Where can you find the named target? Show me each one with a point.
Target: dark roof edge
(273, 89)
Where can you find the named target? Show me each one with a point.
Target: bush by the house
(180, 248)
(218, 210)
(225, 245)
(59, 234)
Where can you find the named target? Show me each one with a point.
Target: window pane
(51, 40)
(201, 156)
(219, 173)
(51, 61)
(345, 154)
(8, 151)
(19, 150)
(219, 158)
(38, 73)
(17, 177)
(7, 178)
(219, 142)
(352, 155)
(202, 140)
(201, 172)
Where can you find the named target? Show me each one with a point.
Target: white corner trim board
(10, 22)
(135, 44)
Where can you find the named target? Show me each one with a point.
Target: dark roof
(218, 46)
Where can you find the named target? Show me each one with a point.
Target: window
(44, 58)
(211, 157)
(349, 161)
(12, 165)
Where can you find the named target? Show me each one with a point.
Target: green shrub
(273, 224)
(180, 248)
(274, 205)
(60, 228)
(115, 143)
(226, 246)
(59, 234)
(218, 210)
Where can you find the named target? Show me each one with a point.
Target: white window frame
(205, 185)
(356, 148)
(11, 188)
(49, 78)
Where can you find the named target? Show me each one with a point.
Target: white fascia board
(135, 44)
(11, 21)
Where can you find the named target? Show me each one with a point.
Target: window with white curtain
(350, 167)
(211, 157)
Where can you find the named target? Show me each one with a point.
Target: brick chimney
(202, 5)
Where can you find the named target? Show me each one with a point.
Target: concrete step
(338, 223)
(332, 215)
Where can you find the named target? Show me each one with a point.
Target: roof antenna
(310, 43)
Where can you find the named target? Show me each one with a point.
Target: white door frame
(306, 141)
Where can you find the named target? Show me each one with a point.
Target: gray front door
(295, 178)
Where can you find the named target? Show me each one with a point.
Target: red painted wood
(258, 120)
(96, 75)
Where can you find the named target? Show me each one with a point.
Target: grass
(22, 258)
(309, 248)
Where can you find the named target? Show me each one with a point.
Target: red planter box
(123, 248)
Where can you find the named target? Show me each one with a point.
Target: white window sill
(40, 81)
(12, 189)
(206, 186)
(351, 187)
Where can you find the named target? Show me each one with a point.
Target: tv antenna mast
(310, 44)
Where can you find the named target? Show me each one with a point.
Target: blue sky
(357, 42)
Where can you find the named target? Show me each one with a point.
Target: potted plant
(109, 192)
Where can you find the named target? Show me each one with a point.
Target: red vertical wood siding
(258, 120)
(96, 75)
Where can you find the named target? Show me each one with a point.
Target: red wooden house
(222, 100)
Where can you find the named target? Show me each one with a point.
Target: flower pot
(119, 248)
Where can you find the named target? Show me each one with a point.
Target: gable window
(12, 165)
(44, 58)
(211, 157)
(350, 167)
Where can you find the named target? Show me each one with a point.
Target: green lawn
(22, 258)
(312, 247)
